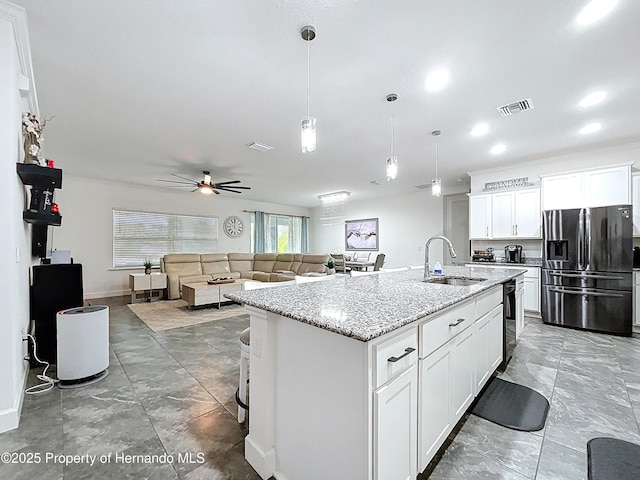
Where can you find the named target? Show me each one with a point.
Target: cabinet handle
(516, 229)
(457, 322)
(487, 231)
(407, 351)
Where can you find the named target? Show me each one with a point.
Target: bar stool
(245, 350)
(241, 393)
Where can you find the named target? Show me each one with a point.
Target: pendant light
(308, 125)
(392, 161)
(436, 183)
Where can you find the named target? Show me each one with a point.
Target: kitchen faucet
(427, 267)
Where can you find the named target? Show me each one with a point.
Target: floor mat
(610, 458)
(513, 406)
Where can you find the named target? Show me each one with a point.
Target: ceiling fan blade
(177, 181)
(195, 190)
(226, 183)
(184, 178)
(218, 185)
(229, 190)
(177, 186)
(216, 191)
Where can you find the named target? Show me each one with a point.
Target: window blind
(138, 236)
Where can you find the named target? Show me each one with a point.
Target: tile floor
(173, 393)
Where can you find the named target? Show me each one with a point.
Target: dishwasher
(509, 310)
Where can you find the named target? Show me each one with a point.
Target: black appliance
(509, 310)
(53, 288)
(636, 257)
(513, 254)
(587, 268)
(483, 255)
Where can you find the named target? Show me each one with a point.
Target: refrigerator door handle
(587, 238)
(585, 293)
(581, 240)
(586, 277)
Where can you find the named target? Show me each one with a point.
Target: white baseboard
(111, 293)
(263, 463)
(10, 418)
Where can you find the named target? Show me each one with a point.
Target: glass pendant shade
(206, 189)
(436, 187)
(392, 168)
(308, 134)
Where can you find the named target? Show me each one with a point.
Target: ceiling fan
(206, 186)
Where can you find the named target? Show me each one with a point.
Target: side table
(142, 285)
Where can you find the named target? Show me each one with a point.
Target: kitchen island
(364, 377)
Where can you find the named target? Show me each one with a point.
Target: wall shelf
(44, 177)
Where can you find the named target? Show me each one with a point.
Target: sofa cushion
(283, 262)
(264, 262)
(297, 262)
(262, 276)
(176, 265)
(216, 264)
(313, 264)
(241, 262)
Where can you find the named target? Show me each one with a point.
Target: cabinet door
(532, 294)
(527, 214)
(635, 201)
(519, 311)
(496, 338)
(608, 186)
(434, 415)
(502, 215)
(395, 434)
(479, 216)
(487, 346)
(562, 191)
(462, 373)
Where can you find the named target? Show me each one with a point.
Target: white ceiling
(143, 89)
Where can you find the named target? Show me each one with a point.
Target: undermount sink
(455, 281)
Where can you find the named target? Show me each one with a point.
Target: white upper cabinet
(593, 188)
(480, 216)
(516, 214)
(513, 214)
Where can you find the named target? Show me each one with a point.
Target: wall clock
(233, 226)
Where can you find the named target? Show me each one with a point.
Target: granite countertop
(367, 307)
(528, 262)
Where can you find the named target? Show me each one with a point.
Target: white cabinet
(635, 182)
(519, 305)
(462, 373)
(516, 214)
(480, 216)
(435, 410)
(395, 431)
(487, 346)
(592, 188)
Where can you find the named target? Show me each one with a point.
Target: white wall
(15, 256)
(558, 164)
(87, 207)
(405, 222)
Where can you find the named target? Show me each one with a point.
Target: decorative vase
(147, 271)
(331, 271)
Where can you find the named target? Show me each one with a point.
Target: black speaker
(53, 288)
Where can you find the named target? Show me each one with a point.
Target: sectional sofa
(184, 268)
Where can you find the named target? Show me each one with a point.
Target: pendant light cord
(436, 156)
(308, 77)
(392, 128)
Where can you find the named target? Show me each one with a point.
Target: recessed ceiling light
(591, 128)
(480, 129)
(498, 149)
(593, 99)
(436, 80)
(594, 11)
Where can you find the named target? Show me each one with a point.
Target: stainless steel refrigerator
(587, 268)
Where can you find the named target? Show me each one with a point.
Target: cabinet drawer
(395, 355)
(437, 332)
(488, 301)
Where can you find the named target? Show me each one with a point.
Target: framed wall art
(361, 234)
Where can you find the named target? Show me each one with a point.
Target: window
(141, 235)
(281, 233)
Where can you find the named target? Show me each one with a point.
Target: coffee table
(198, 294)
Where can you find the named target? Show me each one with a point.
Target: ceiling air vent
(261, 147)
(516, 107)
(424, 186)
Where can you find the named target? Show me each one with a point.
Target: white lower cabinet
(487, 351)
(395, 411)
(462, 373)
(435, 410)
(520, 306)
(636, 298)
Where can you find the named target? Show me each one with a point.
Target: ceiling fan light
(206, 189)
(308, 134)
(207, 178)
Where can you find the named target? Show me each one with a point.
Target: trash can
(82, 345)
